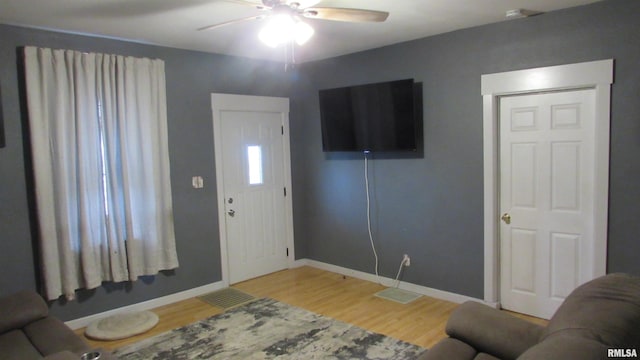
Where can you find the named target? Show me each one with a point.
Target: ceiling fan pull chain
(293, 52)
(286, 57)
(289, 55)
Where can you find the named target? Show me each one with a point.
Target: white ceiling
(173, 23)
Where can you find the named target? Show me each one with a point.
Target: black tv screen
(377, 117)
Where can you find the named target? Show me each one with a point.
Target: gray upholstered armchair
(599, 315)
(28, 332)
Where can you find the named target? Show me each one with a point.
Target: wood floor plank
(347, 299)
(170, 317)
(353, 301)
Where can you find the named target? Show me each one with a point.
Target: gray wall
(432, 208)
(191, 78)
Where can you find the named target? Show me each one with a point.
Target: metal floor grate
(398, 295)
(227, 298)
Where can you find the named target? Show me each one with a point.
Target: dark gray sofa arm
(449, 349)
(567, 346)
(20, 309)
(492, 331)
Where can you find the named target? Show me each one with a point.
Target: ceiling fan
(285, 19)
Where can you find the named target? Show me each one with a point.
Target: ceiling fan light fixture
(284, 28)
(304, 32)
(277, 30)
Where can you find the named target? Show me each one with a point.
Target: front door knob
(506, 218)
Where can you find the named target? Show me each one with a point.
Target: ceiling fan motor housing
(273, 3)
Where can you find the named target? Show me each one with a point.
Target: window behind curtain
(98, 128)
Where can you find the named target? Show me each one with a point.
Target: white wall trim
(148, 305)
(570, 76)
(191, 293)
(596, 75)
(418, 289)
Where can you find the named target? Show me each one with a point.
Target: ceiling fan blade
(231, 22)
(257, 4)
(342, 14)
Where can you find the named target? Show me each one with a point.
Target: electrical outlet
(197, 182)
(406, 260)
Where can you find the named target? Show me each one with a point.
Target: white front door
(547, 176)
(250, 149)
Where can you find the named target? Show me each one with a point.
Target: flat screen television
(380, 117)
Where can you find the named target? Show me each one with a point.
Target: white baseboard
(418, 289)
(169, 299)
(148, 305)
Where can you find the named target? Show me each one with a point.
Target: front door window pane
(255, 164)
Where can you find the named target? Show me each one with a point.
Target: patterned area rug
(268, 329)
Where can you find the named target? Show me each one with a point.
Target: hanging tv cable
(366, 182)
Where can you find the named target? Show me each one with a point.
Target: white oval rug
(120, 326)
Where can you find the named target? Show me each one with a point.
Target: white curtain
(98, 127)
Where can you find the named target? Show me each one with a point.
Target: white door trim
(596, 75)
(231, 102)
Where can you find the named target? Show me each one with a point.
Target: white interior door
(547, 194)
(252, 168)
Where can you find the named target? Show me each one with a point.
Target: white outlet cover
(197, 182)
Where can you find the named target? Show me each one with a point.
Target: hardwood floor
(347, 299)
(171, 316)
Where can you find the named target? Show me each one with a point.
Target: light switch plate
(197, 182)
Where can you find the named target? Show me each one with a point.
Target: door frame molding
(596, 75)
(232, 102)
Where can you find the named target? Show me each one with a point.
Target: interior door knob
(506, 218)
(231, 213)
